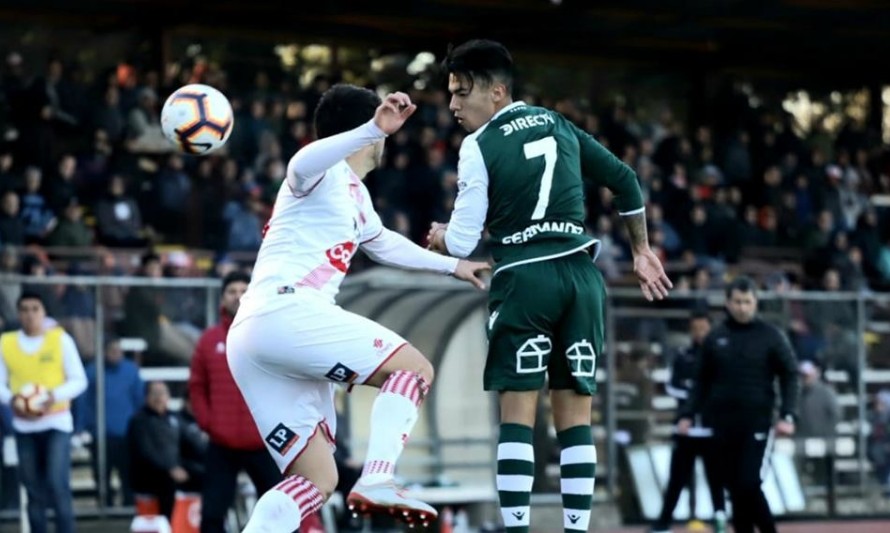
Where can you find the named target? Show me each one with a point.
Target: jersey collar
(508, 108)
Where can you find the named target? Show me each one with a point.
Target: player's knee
(414, 361)
(426, 371)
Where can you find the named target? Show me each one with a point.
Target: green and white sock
(516, 473)
(577, 468)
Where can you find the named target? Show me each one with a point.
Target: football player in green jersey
(521, 173)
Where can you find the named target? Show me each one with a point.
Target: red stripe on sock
(378, 467)
(287, 485)
(411, 385)
(303, 492)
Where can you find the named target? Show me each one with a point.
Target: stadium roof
(844, 41)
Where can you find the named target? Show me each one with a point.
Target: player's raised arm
(310, 163)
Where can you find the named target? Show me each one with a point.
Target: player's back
(310, 240)
(535, 189)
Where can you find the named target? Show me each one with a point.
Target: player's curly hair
(480, 60)
(344, 107)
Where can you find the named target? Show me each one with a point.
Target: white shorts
(287, 364)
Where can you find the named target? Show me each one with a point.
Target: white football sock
(393, 416)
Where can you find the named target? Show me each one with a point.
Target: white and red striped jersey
(322, 214)
(312, 236)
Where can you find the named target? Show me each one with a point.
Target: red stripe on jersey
(319, 277)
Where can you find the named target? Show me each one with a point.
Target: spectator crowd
(88, 184)
(86, 164)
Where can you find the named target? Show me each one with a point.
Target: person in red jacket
(235, 443)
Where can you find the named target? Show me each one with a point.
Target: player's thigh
(523, 309)
(580, 333)
(288, 412)
(319, 341)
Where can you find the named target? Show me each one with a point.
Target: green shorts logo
(582, 359)
(531, 357)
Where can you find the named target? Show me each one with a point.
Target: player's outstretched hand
(650, 273)
(470, 270)
(393, 112)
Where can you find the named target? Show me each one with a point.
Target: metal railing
(864, 336)
(626, 311)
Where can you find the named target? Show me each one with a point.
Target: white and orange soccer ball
(31, 398)
(197, 119)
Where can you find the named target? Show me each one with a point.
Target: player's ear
(498, 92)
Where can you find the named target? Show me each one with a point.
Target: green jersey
(521, 176)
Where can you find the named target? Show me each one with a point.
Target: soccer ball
(31, 398)
(197, 119)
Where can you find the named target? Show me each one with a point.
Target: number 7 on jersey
(542, 147)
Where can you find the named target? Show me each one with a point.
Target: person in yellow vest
(42, 354)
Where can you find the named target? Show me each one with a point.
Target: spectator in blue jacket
(123, 397)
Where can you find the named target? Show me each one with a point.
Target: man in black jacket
(165, 452)
(698, 441)
(740, 362)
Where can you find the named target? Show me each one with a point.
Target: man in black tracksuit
(735, 389)
(698, 441)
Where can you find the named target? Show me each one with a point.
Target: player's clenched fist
(393, 112)
(436, 237)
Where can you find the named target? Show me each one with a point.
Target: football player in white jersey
(290, 345)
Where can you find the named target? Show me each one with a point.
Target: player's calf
(309, 481)
(404, 383)
(393, 416)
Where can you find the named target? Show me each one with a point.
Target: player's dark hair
(234, 277)
(344, 107)
(480, 60)
(741, 284)
(29, 295)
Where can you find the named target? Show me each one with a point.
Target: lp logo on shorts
(282, 439)
(341, 373)
(531, 357)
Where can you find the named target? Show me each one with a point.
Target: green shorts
(546, 317)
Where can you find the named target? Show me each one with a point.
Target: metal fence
(848, 332)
